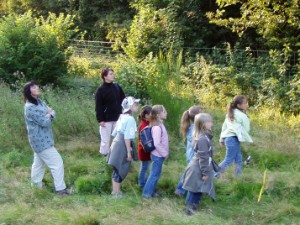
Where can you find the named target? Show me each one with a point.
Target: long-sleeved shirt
(108, 99)
(38, 126)
(161, 141)
(189, 145)
(239, 127)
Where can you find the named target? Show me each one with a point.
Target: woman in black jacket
(109, 97)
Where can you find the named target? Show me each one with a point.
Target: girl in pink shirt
(161, 151)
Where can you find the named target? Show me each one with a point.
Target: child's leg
(192, 201)
(238, 161)
(154, 176)
(116, 182)
(179, 189)
(231, 152)
(143, 173)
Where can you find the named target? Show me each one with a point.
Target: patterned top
(39, 126)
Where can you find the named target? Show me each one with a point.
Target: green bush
(34, 48)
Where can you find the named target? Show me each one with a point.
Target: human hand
(48, 116)
(222, 144)
(102, 124)
(205, 178)
(129, 156)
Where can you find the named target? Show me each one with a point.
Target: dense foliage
(34, 48)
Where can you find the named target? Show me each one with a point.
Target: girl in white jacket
(234, 131)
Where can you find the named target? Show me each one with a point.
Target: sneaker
(248, 160)
(117, 195)
(66, 191)
(189, 212)
(156, 195)
(179, 194)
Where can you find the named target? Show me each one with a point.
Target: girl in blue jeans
(161, 151)
(143, 156)
(187, 129)
(234, 131)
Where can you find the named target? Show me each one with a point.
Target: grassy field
(276, 150)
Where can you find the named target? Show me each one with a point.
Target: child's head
(239, 102)
(130, 105)
(203, 122)
(188, 118)
(145, 113)
(158, 113)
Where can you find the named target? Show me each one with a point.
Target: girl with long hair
(198, 177)
(186, 130)
(161, 151)
(234, 131)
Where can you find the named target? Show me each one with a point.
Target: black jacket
(109, 97)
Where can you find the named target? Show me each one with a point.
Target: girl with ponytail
(186, 130)
(234, 131)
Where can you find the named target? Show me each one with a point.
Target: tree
(35, 48)
(276, 21)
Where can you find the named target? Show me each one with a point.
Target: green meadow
(276, 151)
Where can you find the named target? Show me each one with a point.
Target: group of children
(110, 101)
(196, 130)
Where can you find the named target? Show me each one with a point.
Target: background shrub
(34, 48)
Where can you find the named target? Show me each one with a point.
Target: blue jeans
(142, 179)
(150, 186)
(233, 154)
(193, 198)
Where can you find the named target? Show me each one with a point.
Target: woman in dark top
(109, 97)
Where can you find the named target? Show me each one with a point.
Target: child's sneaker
(248, 160)
(117, 195)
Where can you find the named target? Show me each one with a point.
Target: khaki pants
(105, 135)
(51, 158)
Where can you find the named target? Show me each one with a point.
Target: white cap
(128, 102)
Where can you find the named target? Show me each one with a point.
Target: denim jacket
(39, 126)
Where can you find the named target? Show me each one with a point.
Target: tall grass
(76, 134)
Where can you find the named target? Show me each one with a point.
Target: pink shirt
(161, 141)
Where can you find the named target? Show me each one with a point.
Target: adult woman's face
(110, 77)
(35, 91)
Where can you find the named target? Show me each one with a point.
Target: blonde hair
(154, 119)
(200, 120)
(188, 117)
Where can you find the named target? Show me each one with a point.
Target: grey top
(200, 166)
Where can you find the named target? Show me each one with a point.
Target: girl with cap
(120, 154)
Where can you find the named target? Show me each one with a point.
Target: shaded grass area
(76, 137)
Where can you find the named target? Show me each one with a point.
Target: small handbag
(215, 165)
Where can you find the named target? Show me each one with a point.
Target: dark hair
(27, 93)
(146, 109)
(104, 72)
(238, 99)
(188, 116)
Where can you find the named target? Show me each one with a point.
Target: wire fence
(92, 49)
